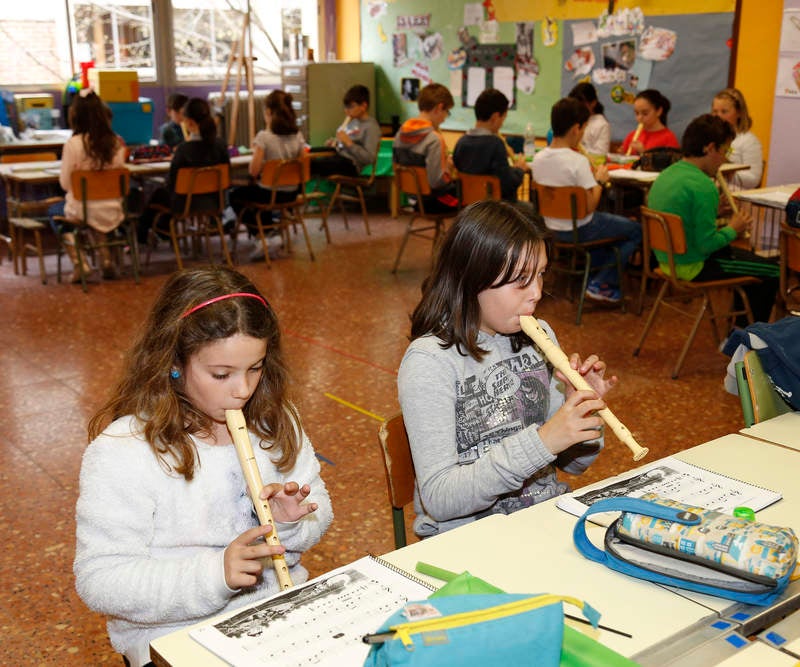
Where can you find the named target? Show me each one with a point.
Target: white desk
(782, 430)
(532, 551)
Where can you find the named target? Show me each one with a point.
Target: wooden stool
(20, 247)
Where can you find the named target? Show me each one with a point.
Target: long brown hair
(482, 249)
(168, 340)
(90, 117)
(282, 117)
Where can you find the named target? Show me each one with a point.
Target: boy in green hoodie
(419, 144)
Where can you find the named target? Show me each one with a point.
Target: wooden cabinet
(317, 90)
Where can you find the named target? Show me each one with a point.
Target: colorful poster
(788, 79)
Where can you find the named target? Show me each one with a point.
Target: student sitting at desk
(356, 141)
(488, 422)
(687, 189)
(203, 149)
(560, 164)
(597, 135)
(171, 132)
(729, 105)
(280, 140)
(419, 144)
(651, 109)
(482, 151)
(93, 145)
(166, 532)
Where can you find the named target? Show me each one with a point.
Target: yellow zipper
(405, 630)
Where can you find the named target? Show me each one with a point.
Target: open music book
(675, 479)
(320, 622)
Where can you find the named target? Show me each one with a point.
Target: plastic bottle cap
(744, 513)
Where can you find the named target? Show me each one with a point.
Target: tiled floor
(345, 318)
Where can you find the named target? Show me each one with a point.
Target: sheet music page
(674, 479)
(320, 622)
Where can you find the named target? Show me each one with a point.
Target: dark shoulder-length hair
(482, 249)
(282, 117)
(198, 110)
(168, 340)
(90, 117)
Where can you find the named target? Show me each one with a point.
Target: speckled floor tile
(345, 323)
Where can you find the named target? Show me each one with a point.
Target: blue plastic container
(133, 121)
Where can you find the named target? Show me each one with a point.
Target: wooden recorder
(247, 460)
(560, 361)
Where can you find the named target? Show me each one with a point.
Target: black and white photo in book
(674, 479)
(321, 622)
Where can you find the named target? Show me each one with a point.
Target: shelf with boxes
(132, 116)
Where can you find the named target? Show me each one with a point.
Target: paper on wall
(489, 32)
(503, 80)
(473, 13)
(787, 83)
(790, 30)
(456, 83)
(584, 32)
(476, 83)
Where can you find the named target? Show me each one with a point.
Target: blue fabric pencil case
(701, 550)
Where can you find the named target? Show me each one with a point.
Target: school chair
(573, 259)
(196, 222)
(25, 209)
(413, 183)
(478, 187)
(94, 185)
(789, 294)
(351, 189)
(275, 174)
(399, 468)
(758, 397)
(664, 232)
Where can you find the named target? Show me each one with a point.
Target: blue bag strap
(625, 504)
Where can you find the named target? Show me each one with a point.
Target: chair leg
(692, 334)
(222, 241)
(37, 241)
(651, 318)
(360, 191)
(173, 234)
(587, 268)
(399, 525)
(298, 216)
(402, 245)
(263, 238)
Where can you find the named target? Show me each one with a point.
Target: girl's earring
(174, 373)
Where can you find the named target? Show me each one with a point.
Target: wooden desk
(782, 430)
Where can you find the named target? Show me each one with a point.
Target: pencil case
(474, 630)
(697, 549)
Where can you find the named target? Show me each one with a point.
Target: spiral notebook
(671, 478)
(318, 623)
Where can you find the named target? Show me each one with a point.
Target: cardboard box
(115, 85)
(133, 121)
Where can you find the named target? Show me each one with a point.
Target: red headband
(222, 298)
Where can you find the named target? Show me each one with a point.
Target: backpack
(793, 209)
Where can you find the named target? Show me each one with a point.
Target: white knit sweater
(150, 545)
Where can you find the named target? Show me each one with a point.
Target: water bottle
(529, 148)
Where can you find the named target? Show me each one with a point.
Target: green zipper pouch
(475, 629)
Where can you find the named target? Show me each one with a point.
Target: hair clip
(85, 92)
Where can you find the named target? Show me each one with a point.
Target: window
(114, 34)
(43, 42)
(206, 31)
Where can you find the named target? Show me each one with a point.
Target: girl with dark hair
(487, 420)
(597, 134)
(280, 140)
(166, 533)
(203, 148)
(93, 145)
(651, 109)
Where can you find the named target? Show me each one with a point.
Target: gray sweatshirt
(365, 134)
(473, 428)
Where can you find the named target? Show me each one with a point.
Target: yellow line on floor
(354, 407)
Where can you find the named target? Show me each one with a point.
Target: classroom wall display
(685, 57)
(537, 53)
(456, 44)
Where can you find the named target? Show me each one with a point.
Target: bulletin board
(530, 54)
